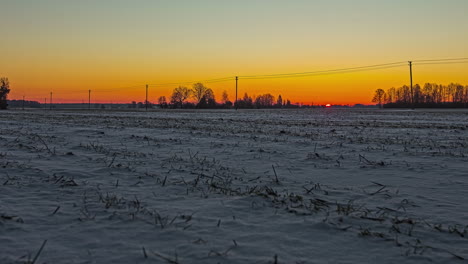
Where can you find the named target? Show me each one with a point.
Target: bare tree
(465, 98)
(417, 94)
(179, 95)
(225, 97)
(199, 91)
(245, 102)
(208, 100)
(264, 100)
(162, 101)
(209, 94)
(4, 91)
(379, 97)
(279, 101)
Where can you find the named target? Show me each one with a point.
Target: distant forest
(21, 103)
(431, 95)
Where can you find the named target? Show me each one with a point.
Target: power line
(190, 82)
(453, 62)
(227, 79)
(323, 71)
(289, 75)
(68, 92)
(121, 88)
(450, 59)
(72, 92)
(300, 74)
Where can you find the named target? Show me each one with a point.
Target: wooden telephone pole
(146, 101)
(89, 99)
(411, 83)
(237, 78)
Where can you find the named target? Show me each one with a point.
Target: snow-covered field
(250, 186)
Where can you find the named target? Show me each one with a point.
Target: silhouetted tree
(209, 94)
(225, 97)
(4, 91)
(179, 95)
(199, 91)
(279, 101)
(162, 101)
(225, 100)
(264, 101)
(379, 97)
(458, 93)
(247, 99)
(245, 102)
(207, 100)
(390, 95)
(417, 94)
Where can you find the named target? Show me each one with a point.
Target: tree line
(4, 91)
(430, 95)
(204, 97)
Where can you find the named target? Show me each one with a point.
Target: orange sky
(70, 47)
(347, 88)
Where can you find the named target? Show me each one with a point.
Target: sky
(115, 47)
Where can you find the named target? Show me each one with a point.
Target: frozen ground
(273, 186)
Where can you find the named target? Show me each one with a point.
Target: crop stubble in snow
(273, 186)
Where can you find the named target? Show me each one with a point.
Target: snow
(248, 186)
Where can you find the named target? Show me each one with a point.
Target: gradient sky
(69, 46)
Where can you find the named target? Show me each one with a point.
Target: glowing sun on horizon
(328, 105)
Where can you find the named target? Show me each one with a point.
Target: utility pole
(411, 82)
(23, 102)
(237, 78)
(89, 99)
(146, 101)
(50, 103)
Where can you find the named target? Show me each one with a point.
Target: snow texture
(250, 186)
